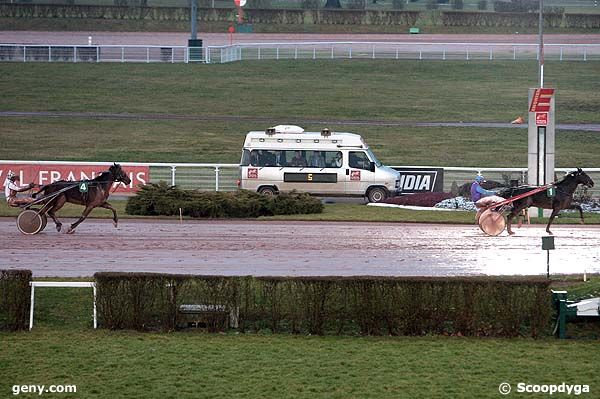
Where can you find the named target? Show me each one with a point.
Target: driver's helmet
(479, 178)
(11, 176)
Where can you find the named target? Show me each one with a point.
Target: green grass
(392, 91)
(108, 364)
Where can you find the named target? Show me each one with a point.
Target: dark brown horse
(89, 193)
(563, 198)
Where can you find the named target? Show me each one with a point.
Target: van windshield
(373, 158)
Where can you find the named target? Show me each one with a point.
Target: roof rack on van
(284, 129)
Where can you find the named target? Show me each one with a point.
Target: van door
(358, 173)
(315, 172)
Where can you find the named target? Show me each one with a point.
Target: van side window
(263, 158)
(358, 160)
(245, 158)
(333, 159)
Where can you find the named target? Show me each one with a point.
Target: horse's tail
(41, 190)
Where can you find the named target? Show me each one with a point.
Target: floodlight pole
(193, 19)
(541, 44)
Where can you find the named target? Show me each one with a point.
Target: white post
(95, 313)
(31, 306)
(147, 55)
(173, 168)
(216, 178)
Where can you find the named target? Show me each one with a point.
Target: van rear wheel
(268, 191)
(377, 194)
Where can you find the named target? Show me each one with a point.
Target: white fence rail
(223, 177)
(93, 53)
(400, 51)
(296, 51)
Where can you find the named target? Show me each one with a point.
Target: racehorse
(562, 200)
(95, 194)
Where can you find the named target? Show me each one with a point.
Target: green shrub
(15, 299)
(330, 305)
(162, 199)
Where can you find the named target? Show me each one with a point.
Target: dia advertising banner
(418, 180)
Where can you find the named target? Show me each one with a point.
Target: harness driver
(11, 188)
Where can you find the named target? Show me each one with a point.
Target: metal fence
(297, 51)
(93, 53)
(400, 51)
(223, 177)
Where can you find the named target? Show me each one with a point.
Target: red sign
(541, 118)
(252, 173)
(355, 175)
(541, 100)
(45, 174)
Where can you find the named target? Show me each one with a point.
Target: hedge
(15, 299)
(552, 18)
(162, 199)
(330, 305)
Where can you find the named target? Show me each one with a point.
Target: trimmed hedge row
(15, 299)
(162, 199)
(304, 16)
(331, 305)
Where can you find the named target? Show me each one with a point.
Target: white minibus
(286, 158)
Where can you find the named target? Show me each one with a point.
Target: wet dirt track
(295, 248)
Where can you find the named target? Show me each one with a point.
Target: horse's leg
(515, 211)
(555, 212)
(58, 203)
(84, 215)
(578, 207)
(106, 205)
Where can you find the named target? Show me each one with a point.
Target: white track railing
(297, 51)
(400, 51)
(223, 177)
(94, 53)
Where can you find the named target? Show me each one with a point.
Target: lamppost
(541, 45)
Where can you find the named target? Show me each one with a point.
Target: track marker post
(547, 245)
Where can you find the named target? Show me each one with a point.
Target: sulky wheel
(478, 214)
(492, 223)
(30, 222)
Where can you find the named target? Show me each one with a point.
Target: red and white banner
(45, 174)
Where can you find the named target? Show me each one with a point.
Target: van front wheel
(377, 194)
(268, 191)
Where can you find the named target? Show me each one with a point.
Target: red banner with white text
(45, 174)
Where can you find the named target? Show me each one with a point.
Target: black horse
(563, 198)
(89, 193)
